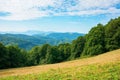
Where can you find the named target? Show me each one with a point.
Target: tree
(67, 51)
(34, 55)
(64, 51)
(112, 32)
(43, 53)
(3, 57)
(77, 47)
(15, 56)
(24, 57)
(53, 55)
(95, 41)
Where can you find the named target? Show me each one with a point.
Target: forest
(100, 39)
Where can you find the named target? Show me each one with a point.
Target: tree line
(100, 39)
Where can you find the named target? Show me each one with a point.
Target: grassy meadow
(102, 67)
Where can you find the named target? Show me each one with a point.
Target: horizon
(38, 31)
(30, 32)
(56, 15)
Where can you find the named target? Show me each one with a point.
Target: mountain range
(27, 40)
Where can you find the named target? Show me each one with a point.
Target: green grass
(102, 67)
(109, 71)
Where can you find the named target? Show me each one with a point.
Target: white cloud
(30, 9)
(111, 10)
(88, 4)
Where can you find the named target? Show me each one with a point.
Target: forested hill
(100, 39)
(27, 41)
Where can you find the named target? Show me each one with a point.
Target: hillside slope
(102, 66)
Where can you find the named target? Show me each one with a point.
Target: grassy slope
(102, 67)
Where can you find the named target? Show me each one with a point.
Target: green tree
(4, 63)
(24, 57)
(15, 56)
(77, 47)
(34, 55)
(95, 41)
(43, 53)
(64, 51)
(53, 55)
(112, 33)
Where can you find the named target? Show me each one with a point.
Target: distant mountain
(37, 32)
(27, 41)
(23, 41)
(70, 36)
(30, 32)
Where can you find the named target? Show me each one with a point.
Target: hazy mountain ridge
(28, 40)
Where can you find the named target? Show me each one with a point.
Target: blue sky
(56, 15)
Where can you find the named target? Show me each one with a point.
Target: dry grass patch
(109, 57)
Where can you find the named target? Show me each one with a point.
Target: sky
(56, 15)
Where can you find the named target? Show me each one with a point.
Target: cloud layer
(31, 9)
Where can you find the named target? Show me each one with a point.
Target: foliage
(3, 57)
(94, 41)
(112, 33)
(64, 51)
(77, 47)
(16, 56)
(100, 39)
